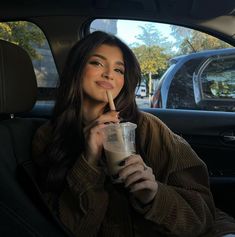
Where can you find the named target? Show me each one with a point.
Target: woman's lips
(104, 84)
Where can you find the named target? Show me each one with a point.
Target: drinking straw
(110, 99)
(113, 108)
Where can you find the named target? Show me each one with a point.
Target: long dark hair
(67, 136)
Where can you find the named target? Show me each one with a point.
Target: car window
(169, 57)
(218, 78)
(31, 38)
(214, 83)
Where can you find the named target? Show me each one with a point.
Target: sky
(127, 30)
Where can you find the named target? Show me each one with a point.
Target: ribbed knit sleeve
(82, 205)
(183, 205)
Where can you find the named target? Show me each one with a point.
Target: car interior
(63, 23)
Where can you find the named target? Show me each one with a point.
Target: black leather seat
(22, 209)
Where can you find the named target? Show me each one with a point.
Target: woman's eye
(121, 71)
(96, 63)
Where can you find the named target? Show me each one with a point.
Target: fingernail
(122, 163)
(121, 120)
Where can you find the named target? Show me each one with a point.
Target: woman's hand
(139, 179)
(94, 138)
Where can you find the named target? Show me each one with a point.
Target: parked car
(141, 91)
(49, 30)
(198, 81)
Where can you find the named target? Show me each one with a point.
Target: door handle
(229, 138)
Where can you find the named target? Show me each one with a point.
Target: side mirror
(214, 83)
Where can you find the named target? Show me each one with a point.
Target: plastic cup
(119, 143)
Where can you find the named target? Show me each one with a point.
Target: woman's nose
(107, 74)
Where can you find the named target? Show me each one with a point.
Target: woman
(165, 189)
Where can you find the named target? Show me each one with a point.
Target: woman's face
(103, 71)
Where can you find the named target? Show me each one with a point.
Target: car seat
(23, 211)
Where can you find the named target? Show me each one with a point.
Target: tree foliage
(151, 58)
(24, 34)
(151, 36)
(180, 33)
(189, 41)
(151, 52)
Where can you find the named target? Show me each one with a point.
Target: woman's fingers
(145, 184)
(133, 163)
(138, 176)
(133, 159)
(111, 116)
(93, 135)
(131, 169)
(139, 179)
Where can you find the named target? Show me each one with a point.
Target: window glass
(157, 46)
(31, 38)
(218, 78)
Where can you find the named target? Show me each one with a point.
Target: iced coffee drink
(114, 158)
(119, 143)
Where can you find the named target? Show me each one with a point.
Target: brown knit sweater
(91, 205)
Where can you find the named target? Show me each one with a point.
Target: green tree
(151, 36)
(189, 41)
(180, 34)
(201, 41)
(153, 60)
(152, 52)
(24, 34)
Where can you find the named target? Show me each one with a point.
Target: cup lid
(121, 125)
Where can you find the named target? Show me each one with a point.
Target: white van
(141, 91)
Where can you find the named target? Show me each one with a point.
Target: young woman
(165, 189)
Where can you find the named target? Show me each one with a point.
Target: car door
(211, 135)
(209, 89)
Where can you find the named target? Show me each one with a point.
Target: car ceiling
(213, 16)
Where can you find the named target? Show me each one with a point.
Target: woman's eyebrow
(104, 58)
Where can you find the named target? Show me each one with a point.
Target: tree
(24, 34)
(152, 60)
(200, 41)
(151, 36)
(189, 41)
(152, 53)
(180, 34)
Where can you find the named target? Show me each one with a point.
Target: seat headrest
(18, 86)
